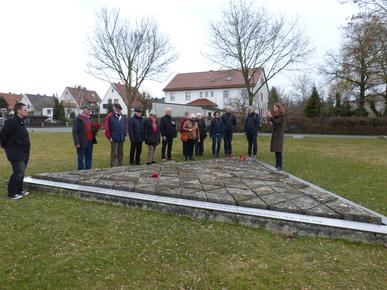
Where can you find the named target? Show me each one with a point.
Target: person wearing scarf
(84, 139)
(151, 136)
(277, 118)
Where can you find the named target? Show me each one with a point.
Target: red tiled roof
(211, 80)
(83, 96)
(202, 103)
(11, 99)
(121, 90)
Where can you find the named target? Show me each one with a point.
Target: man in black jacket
(168, 133)
(229, 123)
(252, 124)
(136, 136)
(15, 140)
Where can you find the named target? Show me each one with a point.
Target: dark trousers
(185, 149)
(216, 143)
(199, 147)
(135, 152)
(278, 160)
(116, 153)
(166, 145)
(227, 142)
(15, 183)
(85, 156)
(190, 148)
(252, 141)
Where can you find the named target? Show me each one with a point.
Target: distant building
(39, 105)
(74, 98)
(226, 87)
(116, 94)
(11, 99)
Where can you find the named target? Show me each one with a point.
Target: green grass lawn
(49, 242)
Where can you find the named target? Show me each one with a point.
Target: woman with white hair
(191, 126)
(151, 136)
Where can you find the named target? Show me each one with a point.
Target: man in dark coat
(229, 123)
(199, 145)
(15, 140)
(252, 124)
(168, 133)
(115, 133)
(84, 138)
(136, 136)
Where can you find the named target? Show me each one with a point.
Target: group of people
(14, 137)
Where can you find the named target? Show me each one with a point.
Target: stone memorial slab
(222, 182)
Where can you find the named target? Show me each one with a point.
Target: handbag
(184, 136)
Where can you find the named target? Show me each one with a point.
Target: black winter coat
(15, 140)
(202, 129)
(168, 127)
(252, 123)
(150, 137)
(229, 122)
(136, 129)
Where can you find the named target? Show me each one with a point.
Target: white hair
(168, 109)
(192, 116)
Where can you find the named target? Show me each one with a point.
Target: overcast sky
(43, 45)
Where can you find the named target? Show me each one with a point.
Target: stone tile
(207, 187)
(196, 195)
(354, 213)
(195, 184)
(255, 202)
(220, 196)
(295, 184)
(305, 202)
(241, 194)
(123, 185)
(286, 206)
(105, 183)
(263, 190)
(289, 195)
(172, 191)
(145, 188)
(172, 181)
(324, 211)
(272, 198)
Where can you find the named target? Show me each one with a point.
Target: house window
(212, 94)
(226, 98)
(48, 111)
(262, 81)
(116, 101)
(187, 96)
(201, 94)
(172, 97)
(206, 94)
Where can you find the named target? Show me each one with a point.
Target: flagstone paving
(226, 181)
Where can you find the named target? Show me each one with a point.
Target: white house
(39, 105)
(226, 87)
(74, 98)
(116, 94)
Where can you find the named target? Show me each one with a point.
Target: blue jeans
(227, 142)
(216, 142)
(15, 183)
(85, 156)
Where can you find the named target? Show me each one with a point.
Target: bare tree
(362, 60)
(375, 7)
(302, 88)
(248, 38)
(131, 53)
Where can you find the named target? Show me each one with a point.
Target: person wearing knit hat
(199, 146)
